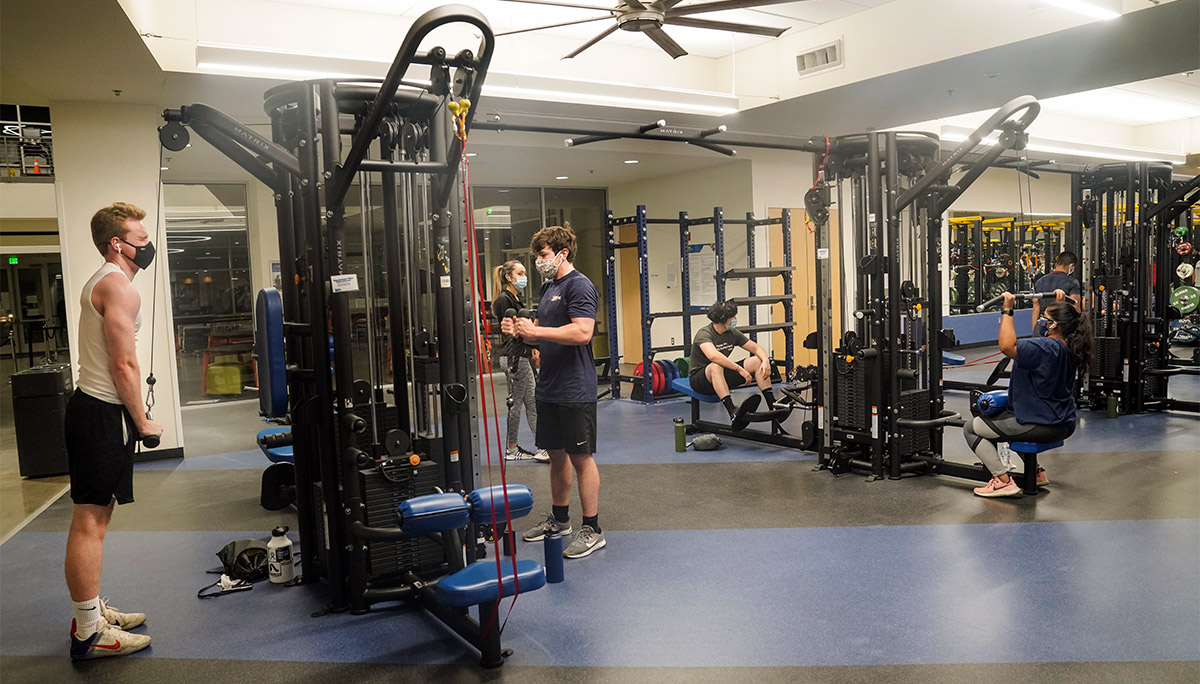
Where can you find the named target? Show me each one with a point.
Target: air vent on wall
(819, 59)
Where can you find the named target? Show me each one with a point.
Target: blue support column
(643, 248)
(685, 250)
(610, 283)
(751, 282)
(719, 239)
(788, 306)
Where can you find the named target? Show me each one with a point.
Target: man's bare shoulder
(115, 289)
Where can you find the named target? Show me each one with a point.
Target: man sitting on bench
(711, 371)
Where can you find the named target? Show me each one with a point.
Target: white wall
(106, 153)
(27, 200)
(996, 190)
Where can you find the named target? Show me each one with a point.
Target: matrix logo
(670, 131)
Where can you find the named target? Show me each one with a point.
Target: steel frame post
(610, 281)
(643, 248)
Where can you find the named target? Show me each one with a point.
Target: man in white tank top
(104, 419)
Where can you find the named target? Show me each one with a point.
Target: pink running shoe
(995, 488)
(1042, 478)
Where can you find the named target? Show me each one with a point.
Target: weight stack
(914, 405)
(851, 395)
(384, 488)
(1109, 360)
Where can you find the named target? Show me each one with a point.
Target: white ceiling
(98, 50)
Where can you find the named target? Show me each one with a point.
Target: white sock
(87, 617)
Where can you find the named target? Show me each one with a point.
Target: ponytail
(1076, 330)
(500, 276)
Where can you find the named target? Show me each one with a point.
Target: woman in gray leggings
(1041, 401)
(508, 279)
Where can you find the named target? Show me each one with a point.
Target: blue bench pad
(520, 502)
(281, 454)
(1034, 447)
(476, 583)
(431, 513)
(682, 386)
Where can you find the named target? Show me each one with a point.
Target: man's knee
(751, 364)
(91, 520)
(712, 371)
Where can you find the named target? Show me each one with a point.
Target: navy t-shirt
(568, 372)
(1043, 379)
(1057, 280)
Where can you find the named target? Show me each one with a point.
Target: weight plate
(396, 442)
(1185, 270)
(682, 365)
(1185, 298)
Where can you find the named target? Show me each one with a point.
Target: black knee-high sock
(561, 514)
(728, 401)
(592, 521)
(770, 397)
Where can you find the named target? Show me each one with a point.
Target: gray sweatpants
(520, 389)
(982, 434)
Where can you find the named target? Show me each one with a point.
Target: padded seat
(682, 386)
(1034, 447)
(952, 359)
(476, 583)
(280, 454)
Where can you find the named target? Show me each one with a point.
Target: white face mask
(547, 267)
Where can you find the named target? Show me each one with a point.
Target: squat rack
(687, 309)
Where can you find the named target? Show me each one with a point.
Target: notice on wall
(672, 274)
(702, 277)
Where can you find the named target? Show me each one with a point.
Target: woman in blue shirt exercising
(1041, 401)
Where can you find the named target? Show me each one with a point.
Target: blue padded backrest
(268, 341)
(431, 513)
(520, 502)
(993, 403)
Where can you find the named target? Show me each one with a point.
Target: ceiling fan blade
(726, 26)
(664, 41)
(722, 5)
(539, 28)
(555, 3)
(664, 5)
(633, 4)
(603, 34)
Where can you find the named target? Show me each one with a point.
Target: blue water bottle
(554, 558)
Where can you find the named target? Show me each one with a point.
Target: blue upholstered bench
(273, 448)
(478, 582)
(682, 386)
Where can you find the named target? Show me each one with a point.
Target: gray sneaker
(587, 541)
(548, 526)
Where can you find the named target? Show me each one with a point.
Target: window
(25, 141)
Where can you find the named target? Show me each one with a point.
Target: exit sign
(12, 261)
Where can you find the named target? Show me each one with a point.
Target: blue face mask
(732, 323)
(522, 281)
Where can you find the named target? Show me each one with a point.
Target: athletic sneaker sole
(601, 544)
(1000, 494)
(543, 536)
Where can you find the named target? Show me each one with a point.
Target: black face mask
(143, 256)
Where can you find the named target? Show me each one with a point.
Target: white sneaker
(116, 618)
(541, 456)
(106, 641)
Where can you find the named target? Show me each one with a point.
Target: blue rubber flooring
(1070, 591)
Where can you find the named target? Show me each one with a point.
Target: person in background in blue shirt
(1061, 278)
(566, 387)
(1041, 401)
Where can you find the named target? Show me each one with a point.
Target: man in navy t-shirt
(1061, 278)
(566, 387)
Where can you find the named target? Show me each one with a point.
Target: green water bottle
(1112, 406)
(680, 438)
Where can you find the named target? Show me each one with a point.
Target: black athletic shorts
(700, 383)
(100, 445)
(566, 426)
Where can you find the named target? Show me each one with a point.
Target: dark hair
(1076, 330)
(720, 312)
(558, 238)
(1066, 259)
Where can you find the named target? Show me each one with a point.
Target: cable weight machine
(879, 386)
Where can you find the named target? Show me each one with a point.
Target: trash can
(40, 397)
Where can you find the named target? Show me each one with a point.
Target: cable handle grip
(1022, 296)
(150, 441)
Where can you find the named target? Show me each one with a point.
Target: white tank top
(95, 364)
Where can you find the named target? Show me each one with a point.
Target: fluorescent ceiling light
(1077, 148)
(631, 161)
(1117, 105)
(1084, 7)
(471, 154)
(560, 178)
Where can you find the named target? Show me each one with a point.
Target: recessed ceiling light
(471, 154)
(631, 161)
(504, 190)
(560, 178)
(164, 168)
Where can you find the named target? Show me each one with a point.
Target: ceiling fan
(649, 18)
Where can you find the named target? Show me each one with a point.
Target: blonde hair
(500, 276)
(109, 223)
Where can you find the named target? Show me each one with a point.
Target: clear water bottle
(279, 556)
